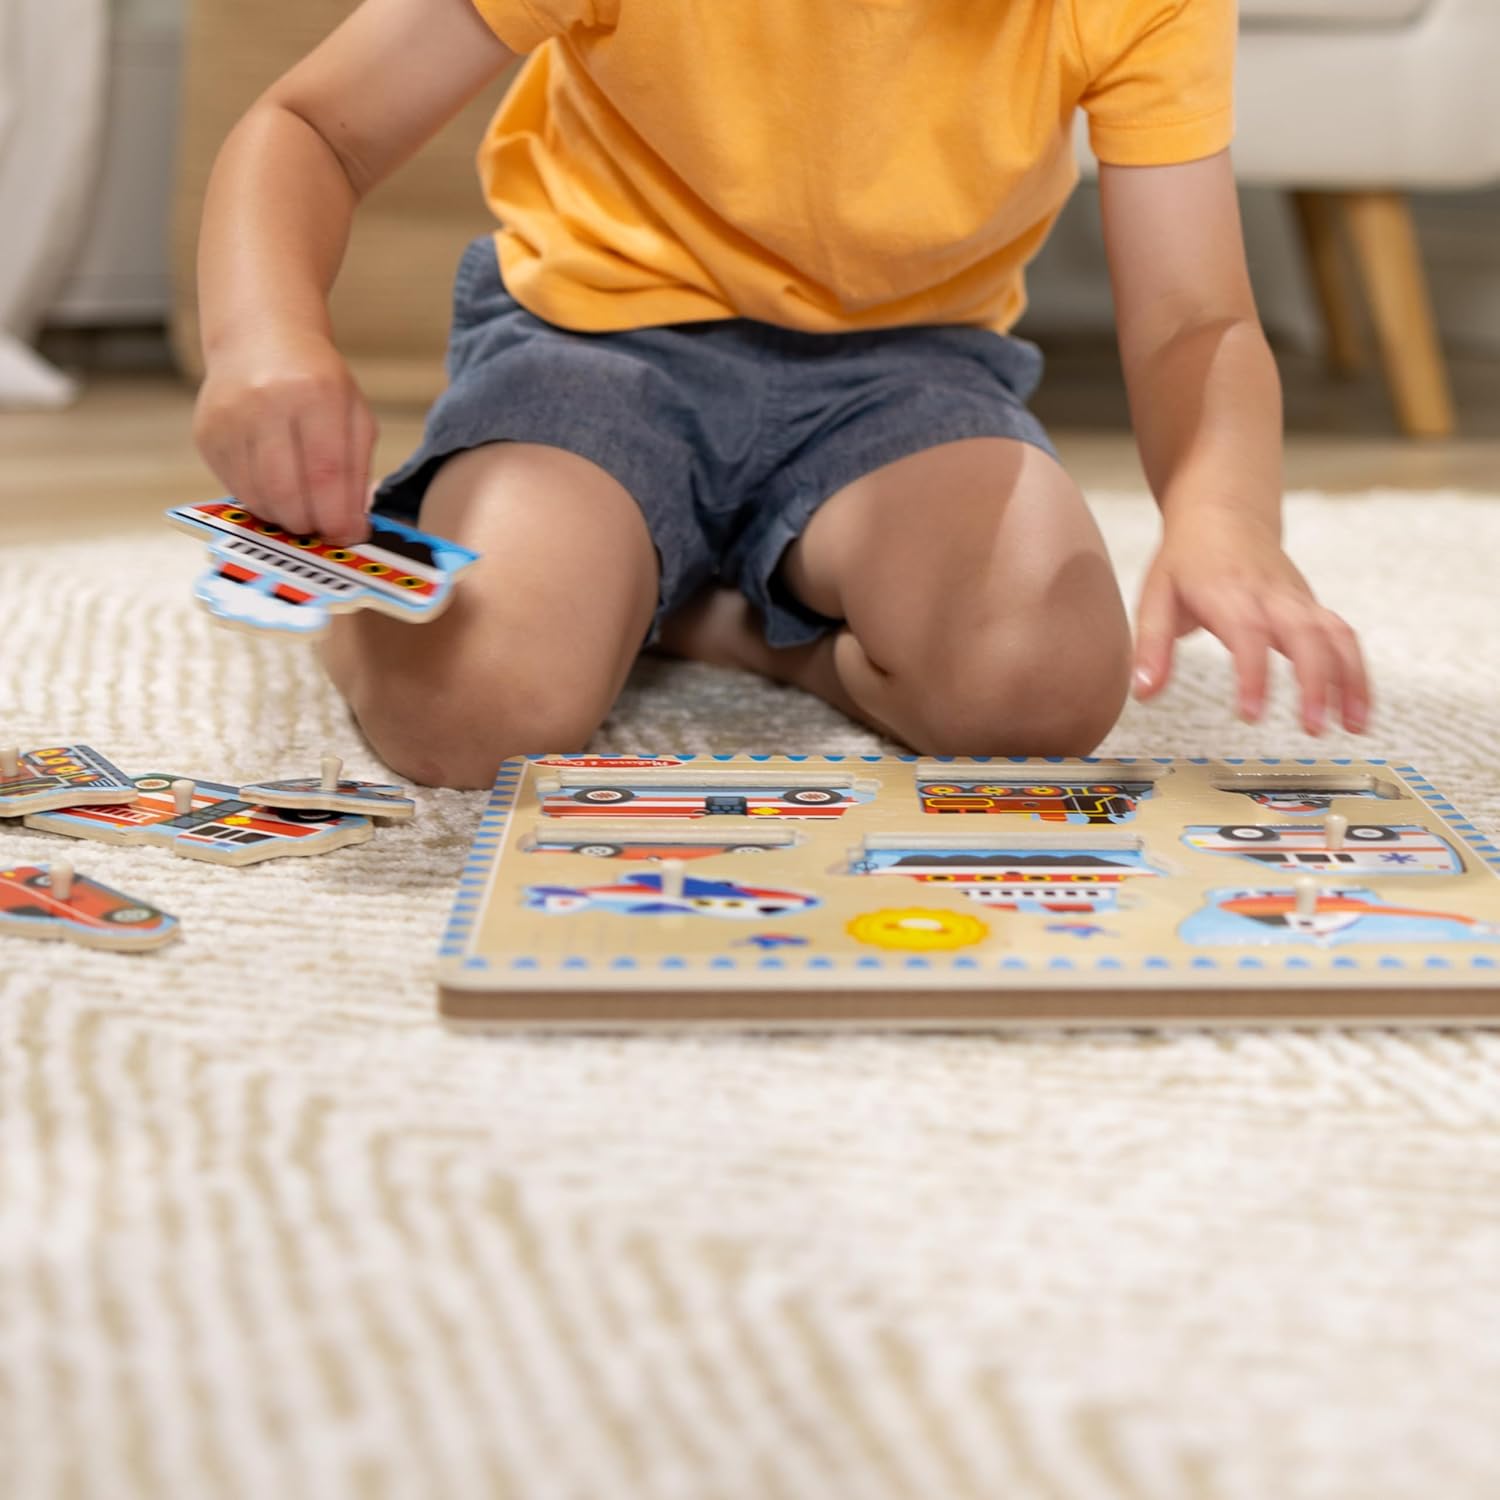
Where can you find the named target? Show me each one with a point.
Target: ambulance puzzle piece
(52, 901)
(203, 820)
(264, 578)
(57, 776)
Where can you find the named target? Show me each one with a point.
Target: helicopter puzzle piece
(52, 901)
(57, 776)
(1332, 914)
(264, 578)
(330, 792)
(203, 820)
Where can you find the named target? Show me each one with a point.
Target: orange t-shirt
(824, 164)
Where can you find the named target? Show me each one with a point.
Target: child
(733, 376)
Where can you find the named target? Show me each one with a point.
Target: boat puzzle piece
(1031, 873)
(57, 776)
(203, 820)
(264, 578)
(1333, 914)
(52, 901)
(330, 792)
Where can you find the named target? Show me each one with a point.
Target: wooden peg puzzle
(331, 791)
(264, 578)
(55, 902)
(808, 891)
(204, 820)
(57, 776)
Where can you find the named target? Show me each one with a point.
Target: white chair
(1351, 104)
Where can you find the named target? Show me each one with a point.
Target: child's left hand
(1225, 572)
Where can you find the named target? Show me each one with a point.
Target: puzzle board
(818, 890)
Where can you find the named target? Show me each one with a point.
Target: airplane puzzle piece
(58, 776)
(330, 792)
(51, 901)
(203, 820)
(264, 578)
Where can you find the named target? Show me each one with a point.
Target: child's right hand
(282, 423)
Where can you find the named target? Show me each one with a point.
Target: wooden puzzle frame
(611, 949)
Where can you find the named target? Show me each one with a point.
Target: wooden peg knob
(60, 879)
(1335, 825)
(182, 796)
(333, 768)
(1307, 896)
(672, 879)
(10, 763)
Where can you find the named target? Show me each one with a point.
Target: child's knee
(1029, 684)
(453, 728)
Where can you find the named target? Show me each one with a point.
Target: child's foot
(719, 625)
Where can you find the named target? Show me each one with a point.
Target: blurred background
(1368, 145)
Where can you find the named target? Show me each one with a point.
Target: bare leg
(541, 633)
(981, 614)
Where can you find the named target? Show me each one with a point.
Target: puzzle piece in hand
(204, 820)
(51, 901)
(330, 792)
(264, 578)
(57, 776)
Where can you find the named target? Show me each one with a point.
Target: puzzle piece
(204, 820)
(51, 901)
(57, 776)
(264, 578)
(330, 792)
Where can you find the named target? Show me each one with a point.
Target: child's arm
(279, 418)
(1206, 403)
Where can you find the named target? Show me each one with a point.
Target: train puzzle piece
(52, 901)
(204, 820)
(57, 776)
(331, 792)
(264, 578)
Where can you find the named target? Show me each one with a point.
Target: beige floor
(125, 452)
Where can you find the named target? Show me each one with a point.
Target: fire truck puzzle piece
(264, 578)
(57, 776)
(203, 820)
(329, 791)
(53, 902)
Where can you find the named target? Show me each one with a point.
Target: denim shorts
(728, 434)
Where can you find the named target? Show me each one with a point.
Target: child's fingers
(1249, 645)
(1155, 636)
(323, 452)
(362, 434)
(1354, 697)
(275, 478)
(1300, 637)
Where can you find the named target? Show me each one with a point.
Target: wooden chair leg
(1338, 297)
(1385, 244)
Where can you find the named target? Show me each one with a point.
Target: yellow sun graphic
(920, 928)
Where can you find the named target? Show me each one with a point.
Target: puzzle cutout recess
(809, 890)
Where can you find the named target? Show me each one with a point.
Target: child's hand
(1226, 572)
(283, 425)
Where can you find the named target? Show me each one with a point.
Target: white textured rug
(268, 1230)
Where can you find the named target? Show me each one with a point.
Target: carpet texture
(268, 1229)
